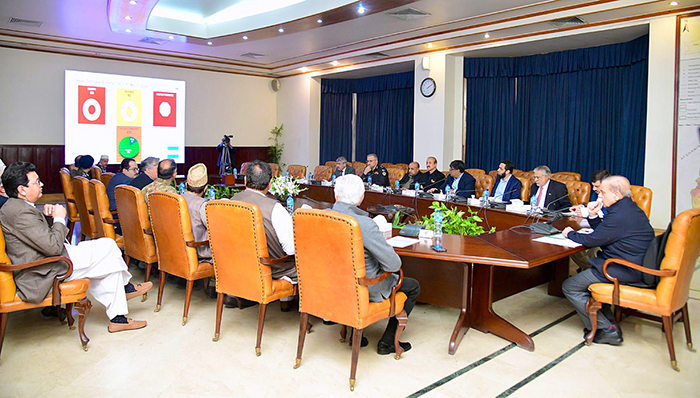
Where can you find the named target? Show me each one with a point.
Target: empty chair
(84, 204)
(104, 221)
(71, 205)
(106, 177)
(395, 174)
(579, 192)
(483, 181)
(247, 274)
(339, 293)
(322, 173)
(296, 171)
(642, 197)
(176, 247)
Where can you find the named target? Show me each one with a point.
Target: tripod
(225, 166)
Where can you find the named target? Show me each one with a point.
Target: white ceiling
(455, 26)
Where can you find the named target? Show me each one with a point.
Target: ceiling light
(281, 30)
(361, 9)
(171, 37)
(430, 45)
(334, 63)
(486, 36)
(245, 37)
(304, 69)
(673, 3)
(128, 31)
(132, 2)
(128, 18)
(210, 43)
(319, 20)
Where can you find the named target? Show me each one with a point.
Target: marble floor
(42, 358)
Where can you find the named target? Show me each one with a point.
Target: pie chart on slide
(129, 147)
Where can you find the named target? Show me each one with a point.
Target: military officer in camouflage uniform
(167, 169)
(378, 172)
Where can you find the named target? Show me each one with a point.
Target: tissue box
(408, 192)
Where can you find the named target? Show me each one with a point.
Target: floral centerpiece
(283, 187)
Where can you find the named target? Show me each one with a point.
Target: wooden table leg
(483, 318)
(561, 272)
(463, 321)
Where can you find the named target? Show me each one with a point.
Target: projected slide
(124, 117)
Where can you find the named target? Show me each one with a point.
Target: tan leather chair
(104, 221)
(296, 171)
(446, 173)
(247, 274)
(642, 197)
(670, 295)
(579, 192)
(359, 167)
(330, 163)
(136, 228)
(73, 293)
(275, 168)
(403, 166)
(475, 172)
(175, 244)
(106, 177)
(71, 205)
(244, 168)
(84, 204)
(95, 173)
(387, 165)
(562, 176)
(525, 189)
(339, 293)
(322, 173)
(494, 174)
(395, 174)
(483, 181)
(530, 175)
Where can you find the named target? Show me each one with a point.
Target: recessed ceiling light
(128, 18)
(245, 37)
(486, 36)
(361, 9)
(673, 3)
(209, 43)
(430, 45)
(304, 69)
(281, 30)
(171, 37)
(319, 20)
(334, 63)
(128, 31)
(132, 2)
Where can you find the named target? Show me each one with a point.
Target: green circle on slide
(129, 147)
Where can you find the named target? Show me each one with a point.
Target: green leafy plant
(223, 192)
(275, 151)
(397, 221)
(454, 221)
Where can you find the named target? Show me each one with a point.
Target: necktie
(539, 197)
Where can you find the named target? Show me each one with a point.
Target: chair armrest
(114, 212)
(270, 262)
(91, 212)
(148, 231)
(373, 281)
(394, 289)
(616, 282)
(110, 221)
(71, 201)
(190, 243)
(57, 280)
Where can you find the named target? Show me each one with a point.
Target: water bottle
(290, 204)
(211, 194)
(447, 192)
(311, 176)
(533, 204)
(417, 187)
(181, 188)
(485, 198)
(286, 174)
(369, 179)
(396, 184)
(235, 172)
(333, 177)
(437, 234)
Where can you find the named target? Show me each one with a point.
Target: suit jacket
(466, 186)
(556, 190)
(418, 178)
(28, 238)
(433, 180)
(512, 191)
(348, 170)
(118, 179)
(2, 200)
(141, 181)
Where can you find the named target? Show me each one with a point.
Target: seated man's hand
(367, 170)
(594, 208)
(58, 211)
(577, 210)
(566, 231)
(431, 190)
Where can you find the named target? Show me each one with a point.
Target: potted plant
(453, 222)
(275, 151)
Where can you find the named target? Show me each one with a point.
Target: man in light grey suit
(379, 257)
(28, 237)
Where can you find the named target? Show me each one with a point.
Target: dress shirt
(501, 188)
(541, 195)
(284, 228)
(455, 183)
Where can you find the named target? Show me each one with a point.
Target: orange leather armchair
(493, 174)
(176, 247)
(642, 197)
(73, 293)
(71, 205)
(359, 167)
(563, 176)
(387, 165)
(104, 221)
(106, 177)
(244, 168)
(95, 172)
(475, 172)
(395, 174)
(339, 293)
(296, 171)
(248, 273)
(275, 169)
(136, 227)
(483, 181)
(322, 173)
(84, 204)
(670, 295)
(526, 188)
(403, 166)
(579, 192)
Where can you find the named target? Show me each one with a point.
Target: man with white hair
(379, 257)
(624, 233)
(342, 167)
(104, 161)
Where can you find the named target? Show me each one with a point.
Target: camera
(227, 138)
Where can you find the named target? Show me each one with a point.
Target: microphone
(508, 193)
(566, 195)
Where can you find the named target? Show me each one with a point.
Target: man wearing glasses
(549, 194)
(127, 172)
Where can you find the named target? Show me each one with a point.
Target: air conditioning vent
(566, 22)
(153, 40)
(25, 22)
(253, 55)
(408, 14)
(376, 55)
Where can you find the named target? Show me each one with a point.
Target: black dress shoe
(386, 349)
(585, 332)
(328, 323)
(230, 301)
(363, 343)
(211, 292)
(605, 337)
(285, 306)
(51, 312)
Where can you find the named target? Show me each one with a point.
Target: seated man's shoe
(51, 311)
(363, 343)
(605, 336)
(137, 290)
(286, 306)
(328, 323)
(230, 301)
(210, 291)
(585, 332)
(237, 302)
(121, 323)
(386, 349)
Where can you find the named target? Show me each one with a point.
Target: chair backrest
(322, 172)
(67, 184)
(387, 165)
(134, 220)
(330, 292)
(8, 289)
(395, 174)
(475, 172)
(530, 175)
(526, 188)
(562, 176)
(172, 228)
(82, 200)
(579, 192)
(642, 197)
(240, 274)
(106, 177)
(359, 167)
(95, 172)
(244, 167)
(100, 206)
(681, 253)
(446, 173)
(493, 174)
(403, 166)
(275, 169)
(296, 171)
(483, 181)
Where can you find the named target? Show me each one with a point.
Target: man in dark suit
(413, 176)
(507, 185)
(460, 183)
(374, 170)
(433, 177)
(342, 167)
(28, 238)
(549, 194)
(149, 172)
(127, 172)
(624, 233)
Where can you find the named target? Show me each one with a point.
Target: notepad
(400, 241)
(558, 240)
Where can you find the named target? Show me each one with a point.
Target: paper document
(557, 239)
(400, 241)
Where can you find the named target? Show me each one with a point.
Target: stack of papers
(557, 239)
(401, 241)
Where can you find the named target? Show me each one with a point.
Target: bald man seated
(413, 176)
(624, 233)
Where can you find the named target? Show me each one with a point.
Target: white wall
(299, 109)
(32, 100)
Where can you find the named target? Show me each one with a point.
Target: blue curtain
(578, 110)
(384, 120)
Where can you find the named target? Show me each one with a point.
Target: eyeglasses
(133, 168)
(37, 182)
(537, 178)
